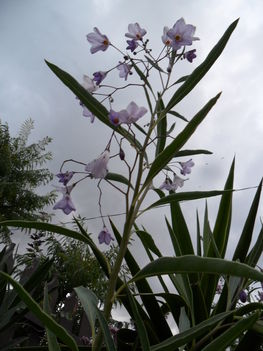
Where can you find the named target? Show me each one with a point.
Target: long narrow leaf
(161, 128)
(89, 302)
(168, 153)
(118, 178)
(202, 69)
(196, 264)
(50, 323)
(189, 335)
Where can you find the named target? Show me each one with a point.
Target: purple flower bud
(243, 296)
(122, 154)
(65, 177)
(190, 55)
(99, 76)
(132, 45)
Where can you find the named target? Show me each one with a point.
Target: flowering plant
(203, 322)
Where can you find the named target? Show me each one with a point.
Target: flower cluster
(174, 39)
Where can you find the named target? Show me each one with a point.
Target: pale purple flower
(87, 113)
(124, 69)
(190, 55)
(88, 84)
(128, 116)
(65, 177)
(132, 45)
(181, 34)
(135, 31)
(105, 236)
(219, 289)
(65, 204)
(98, 41)
(170, 185)
(243, 296)
(98, 167)
(99, 76)
(186, 167)
(165, 39)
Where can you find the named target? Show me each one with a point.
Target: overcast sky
(34, 30)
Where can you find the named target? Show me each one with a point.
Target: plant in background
(206, 319)
(20, 175)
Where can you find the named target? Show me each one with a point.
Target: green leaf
(158, 320)
(185, 196)
(181, 80)
(171, 129)
(195, 264)
(140, 327)
(207, 232)
(168, 153)
(90, 102)
(189, 335)
(246, 236)
(230, 335)
(202, 69)
(52, 325)
(154, 64)
(148, 242)
(89, 302)
(51, 337)
(256, 251)
(183, 153)
(118, 178)
(178, 115)
(198, 236)
(161, 127)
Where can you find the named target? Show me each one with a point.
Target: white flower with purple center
(135, 31)
(98, 167)
(105, 236)
(65, 204)
(98, 41)
(88, 84)
(170, 185)
(131, 115)
(124, 69)
(65, 177)
(165, 39)
(186, 167)
(181, 34)
(99, 76)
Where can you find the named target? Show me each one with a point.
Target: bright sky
(34, 30)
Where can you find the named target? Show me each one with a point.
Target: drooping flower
(124, 69)
(65, 204)
(98, 41)
(186, 167)
(132, 45)
(181, 34)
(98, 167)
(87, 113)
(135, 31)
(99, 76)
(243, 296)
(190, 55)
(170, 185)
(165, 39)
(128, 116)
(105, 236)
(65, 177)
(88, 84)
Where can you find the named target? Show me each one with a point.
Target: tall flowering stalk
(160, 166)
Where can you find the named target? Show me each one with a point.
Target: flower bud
(122, 154)
(243, 296)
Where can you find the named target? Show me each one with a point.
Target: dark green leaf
(118, 178)
(196, 264)
(183, 153)
(40, 314)
(161, 128)
(178, 115)
(167, 154)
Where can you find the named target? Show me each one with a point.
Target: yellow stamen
(177, 37)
